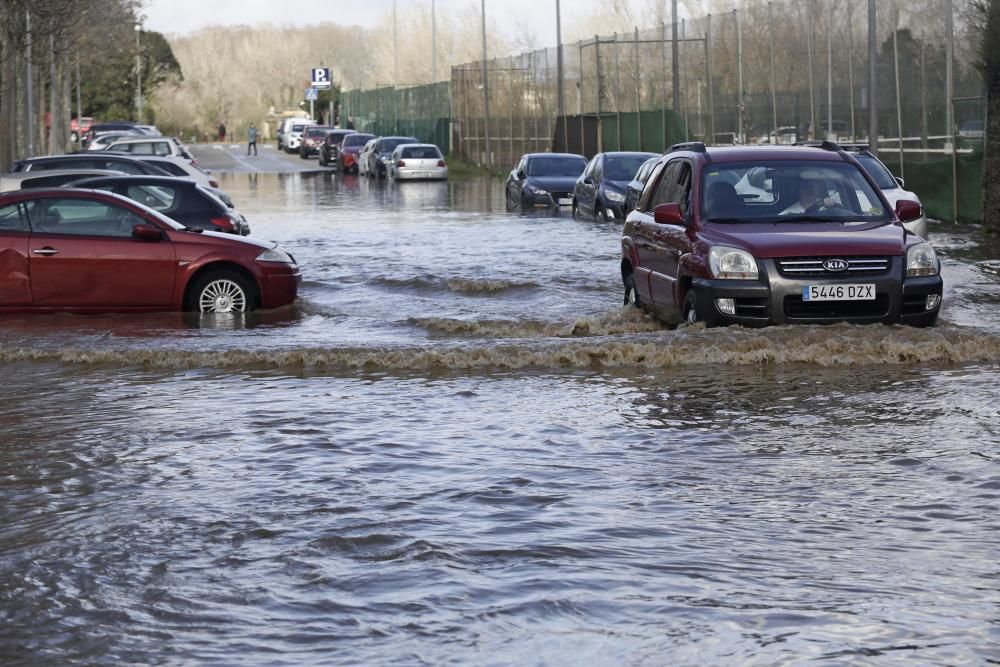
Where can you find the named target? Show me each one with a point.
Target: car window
(623, 168)
(775, 191)
(652, 183)
(157, 197)
(883, 179)
(82, 217)
(124, 165)
(170, 167)
(556, 166)
(11, 219)
(598, 168)
(421, 153)
(666, 186)
(162, 148)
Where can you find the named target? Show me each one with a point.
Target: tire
(576, 209)
(689, 312)
(321, 160)
(601, 214)
(631, 295)
(222, 291)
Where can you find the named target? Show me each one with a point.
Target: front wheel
(631, 295)
(221, 292)
(690, 310)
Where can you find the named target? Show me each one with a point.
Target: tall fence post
(739, 75)
(638, 90)
(486, 93)
(895, 69)
(774, 85)
(708, 76)
(663, 103)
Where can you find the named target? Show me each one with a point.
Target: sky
(181, 17)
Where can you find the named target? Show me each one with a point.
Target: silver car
(892, 187)
(417, 161)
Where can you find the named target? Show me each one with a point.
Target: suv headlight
(614, 196)
(726, 262)
(275, 255)
(533, 189)
(921, 260)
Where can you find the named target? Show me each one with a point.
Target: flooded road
(458, 448)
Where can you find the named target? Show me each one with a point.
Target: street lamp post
(138, 75)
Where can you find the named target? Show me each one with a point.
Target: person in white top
(810, 191)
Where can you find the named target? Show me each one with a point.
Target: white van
(285, 127)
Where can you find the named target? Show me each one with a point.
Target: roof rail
(696, 146)
(825, 145)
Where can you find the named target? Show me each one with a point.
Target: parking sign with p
(321, 77)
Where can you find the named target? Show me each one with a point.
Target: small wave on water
(469, 286)
(621, 321)
(838, 345)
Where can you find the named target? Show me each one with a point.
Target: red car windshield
(788, 191)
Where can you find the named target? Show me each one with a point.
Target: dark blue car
(600, 191)
(543, 180)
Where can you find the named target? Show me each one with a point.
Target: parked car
(599, 191)
(180, 199)
(151, 146)
(838, 129)
(379, 159)
(312, 137)
(972, 130)
(785, 135)
(102, 140)
(94, 251)
(364, 157)
(635, 186)
(543, 180)
(78, 127)
(347, 156)
(818, 243)
(53, 178)
(180, 167)
(111, 126)
(285, 126)
(292, 139)
(89, 160)
(328, 148)
(418, 162)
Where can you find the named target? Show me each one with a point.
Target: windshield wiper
(805, 218)
(728, 221)
(193, 229)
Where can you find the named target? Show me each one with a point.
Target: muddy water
(458, 448)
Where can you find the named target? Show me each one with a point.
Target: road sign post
(312, 94)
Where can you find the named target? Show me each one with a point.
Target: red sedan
(93, 251)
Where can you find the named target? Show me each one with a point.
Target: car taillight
(214, 183)
(400, 164)
(441, 163)
(348, 158)
(223, 223)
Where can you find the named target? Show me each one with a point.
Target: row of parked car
(127, 229)
(608, 186)
(348, 151)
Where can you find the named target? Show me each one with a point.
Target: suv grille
(796, 308)
(813, 266)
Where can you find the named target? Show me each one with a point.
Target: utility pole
(675, 65)
(829, 71)
(138, 75)
(434, 45)
(810, 39)
(29, 81)
(872, 80)
(486, 90)
(739, 67)
(774, 95)
(850, 66)
(559, 77)
(949, 84)
(895, 69)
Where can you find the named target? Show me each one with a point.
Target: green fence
(418, 111)
(931, 180)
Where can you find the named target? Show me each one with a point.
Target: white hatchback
(417, 162)
(166, 146)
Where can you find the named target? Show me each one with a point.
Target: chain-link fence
(417, 111)
(768, 73)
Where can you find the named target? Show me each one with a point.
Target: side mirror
(907, 210)
(900, 181)
(520, 174)
(147, 232)
(668, 214)
(589, 180)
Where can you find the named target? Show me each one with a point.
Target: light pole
(138, 75)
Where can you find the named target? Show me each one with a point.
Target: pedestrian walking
(252, 139)
(222, 131)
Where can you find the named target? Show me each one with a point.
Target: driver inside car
(811, 194)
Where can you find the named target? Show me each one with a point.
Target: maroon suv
(774, 235)
(90, 251)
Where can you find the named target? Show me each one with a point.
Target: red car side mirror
(668, 214)
(907, 210)
(146, 232)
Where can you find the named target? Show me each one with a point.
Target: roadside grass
(458, 168)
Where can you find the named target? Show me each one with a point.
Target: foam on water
(620, 321)
(841, 345)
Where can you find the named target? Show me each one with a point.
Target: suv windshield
(787, 191)
(556, 166)
(356, 140)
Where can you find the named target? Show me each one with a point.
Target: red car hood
(807, 239)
